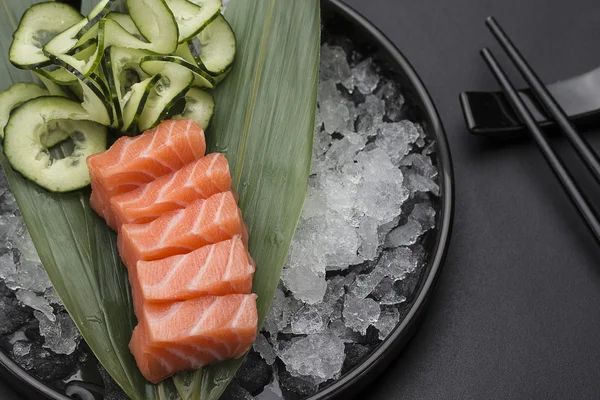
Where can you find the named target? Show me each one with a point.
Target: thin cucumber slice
(16, 95)
(154, 64)
(214, 47)
(174, 83)
(123, 66)
(54, 89)
(84, 66)
(84, 50)
(65, 41)
(123, 71)
(135, 102)
(38, 122)
(40, 23)
(58, 75)
(126, 22)
(193, 16)
(156, 23)
(94, 98)
(199, 106)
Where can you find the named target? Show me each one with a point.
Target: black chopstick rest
(490, 113)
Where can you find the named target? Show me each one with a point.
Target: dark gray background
(517, 310)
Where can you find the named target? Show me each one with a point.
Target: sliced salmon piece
(157, 364)
(203, 222)
(197, 180)
(134, 161)
(193, 333)
(219, 269)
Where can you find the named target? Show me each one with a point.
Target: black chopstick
(588, 155)
(570, 186)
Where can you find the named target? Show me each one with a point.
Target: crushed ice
(31, 297)
(356, 254)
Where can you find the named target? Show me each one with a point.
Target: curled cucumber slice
(198, 106)
(40, 23)
(16, 95)
(36, 126)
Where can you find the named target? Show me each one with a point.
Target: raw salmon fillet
(134, 161)
(219, 269)
(193, 333)
(201, 223)
(198, 180)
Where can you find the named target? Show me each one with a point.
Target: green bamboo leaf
(263, 124)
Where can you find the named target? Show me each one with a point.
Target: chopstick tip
(489, 21)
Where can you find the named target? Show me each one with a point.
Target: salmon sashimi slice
(157, 364)
(197, 180)
(219, 269)
(202, 223)
(134, 161)
(193, 333)
(225, 324)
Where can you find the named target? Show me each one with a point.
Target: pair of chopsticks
(587, 154)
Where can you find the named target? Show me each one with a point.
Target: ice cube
(370, 115)
(11, 227)
(305, 282)
(60, 335)
(389, 89)
(397, 263)
(334, 64)
(369, 237)
(279, 314)
(392, 298)
(8, 267)
(346, 335)
(343, 151)
(366, 76)
(359, 313)
(24, 244)
(319, 356)
(263, 347)
(381, 193)
(310, 319)
(365, 283)
(421, 174)
(404, 235)
(38, 303)
(388, 319)
(314, 205)
(396, 138)
(31, 276)
(340, 195)
(336, 111)
(21, 349)
(8, 205)
(335, 289)
(425, 214)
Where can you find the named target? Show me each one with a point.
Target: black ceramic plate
(421, 110)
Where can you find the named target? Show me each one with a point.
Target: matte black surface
(517, 309)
